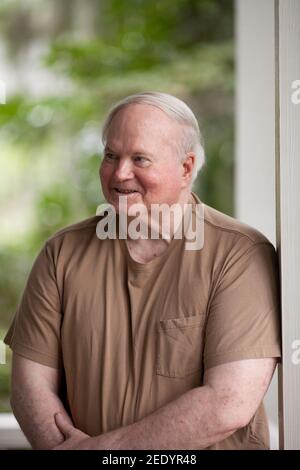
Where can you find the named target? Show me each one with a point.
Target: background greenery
(94, 53)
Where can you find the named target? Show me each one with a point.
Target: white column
(255, 135)
(255, 115)
(288, 221)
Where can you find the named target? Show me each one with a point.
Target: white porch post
(255, 134)
(288, 205)
(268, 138)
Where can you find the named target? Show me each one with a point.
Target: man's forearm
(35, 412)
(193, 421)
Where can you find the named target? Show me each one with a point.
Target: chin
(118, 209)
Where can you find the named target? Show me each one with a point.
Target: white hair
(177, 110)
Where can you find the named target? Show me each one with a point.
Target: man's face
(141, 156)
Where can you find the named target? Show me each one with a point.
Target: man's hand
(74, 438)
(78, 440)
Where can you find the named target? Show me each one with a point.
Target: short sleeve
(35, 329)
(243, 320)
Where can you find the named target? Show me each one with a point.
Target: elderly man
(139, 343)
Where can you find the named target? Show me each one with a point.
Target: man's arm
(201, 417)
(35, 400)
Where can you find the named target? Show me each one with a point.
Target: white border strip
(11, 436)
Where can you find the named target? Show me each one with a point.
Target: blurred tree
(103, 50)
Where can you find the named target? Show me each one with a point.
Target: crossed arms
(228, 399)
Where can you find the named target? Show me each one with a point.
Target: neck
(155, 226)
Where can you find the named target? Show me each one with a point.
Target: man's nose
(123, 170)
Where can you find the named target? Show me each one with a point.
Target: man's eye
(142, 160)
(109, 156)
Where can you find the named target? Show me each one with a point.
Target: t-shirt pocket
(180, 346)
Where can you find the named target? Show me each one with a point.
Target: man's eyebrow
(107, 147)
(136, 153)
(142, 152)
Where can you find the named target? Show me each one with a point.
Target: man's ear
(188, 165)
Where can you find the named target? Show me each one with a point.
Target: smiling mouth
(125, 191)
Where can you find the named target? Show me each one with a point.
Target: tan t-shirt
(132, 337)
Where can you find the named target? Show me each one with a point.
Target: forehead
(142, 123)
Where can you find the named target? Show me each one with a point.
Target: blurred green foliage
(50, 144)
(5, 380)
